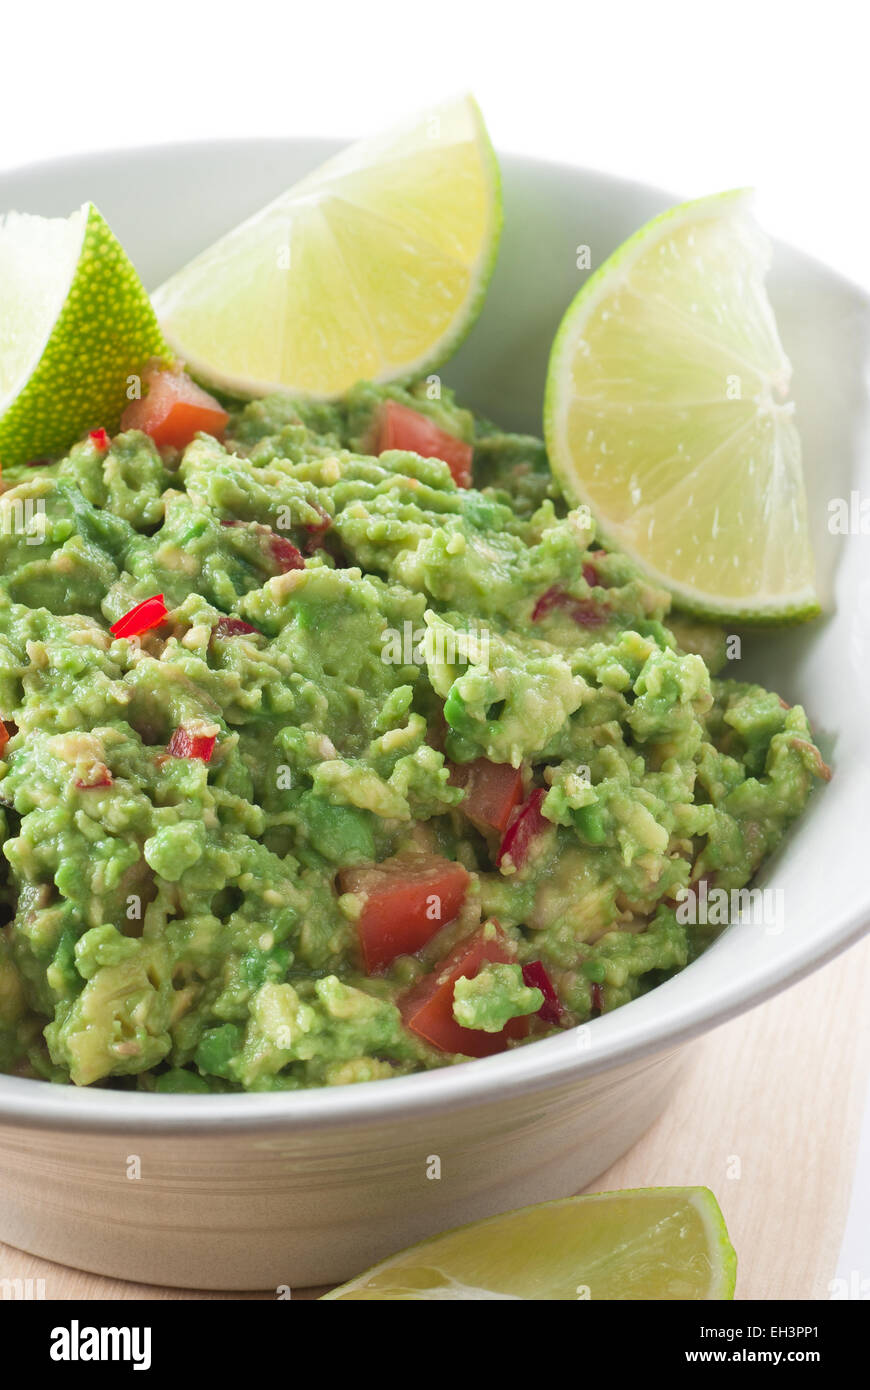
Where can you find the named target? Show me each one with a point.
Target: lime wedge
(646, 1243)
(76, 323)
(666, 414)
(372, 268)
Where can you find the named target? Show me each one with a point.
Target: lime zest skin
(104, 331)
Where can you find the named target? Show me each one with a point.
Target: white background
(693, 97)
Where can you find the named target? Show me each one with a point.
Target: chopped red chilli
(586, 612)
(316, 533)
(151, 612)
(4, 737)
(104, 780)
(536, 977)
(232, 627)
(285, 554)
(100, 440)
(526, 823)
(184, 744)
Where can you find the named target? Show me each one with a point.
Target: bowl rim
(548, 1063)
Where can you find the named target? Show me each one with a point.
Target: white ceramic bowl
(253, 1191)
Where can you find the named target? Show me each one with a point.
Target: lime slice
(648, 1243)
(75, 324)
(666, 414)
(372, 268)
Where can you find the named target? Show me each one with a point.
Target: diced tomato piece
(399, 427)
(586, 612)
(151, 612)
(4, 737)
(185, 744)
(174, 410)
(285, 554)
(100, 440)
(536, 977)
(232, 627)
(407, 899)
(526, 823)
(104, 779)
(427, 1008)
(492, 790)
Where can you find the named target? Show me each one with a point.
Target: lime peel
(77, 324)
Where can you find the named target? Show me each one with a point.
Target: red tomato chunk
(399, 427)
(174, 410)
(492, 790)
(407, 899)
(427, 1008)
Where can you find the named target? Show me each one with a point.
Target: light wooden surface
(769, 1118)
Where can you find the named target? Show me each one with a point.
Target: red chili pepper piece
(285, 554)
(4, 737)
(525, 824)
(316, 533)
(151, 612)
(184, 744)
(232, 627)
(399, 427)
(100, 440)
(282, 551)
(104, 780)
(536, 977)
(585, 612)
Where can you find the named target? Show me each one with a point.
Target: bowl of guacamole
(336, 761)
(337, 749)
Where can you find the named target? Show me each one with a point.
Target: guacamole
(318, 765)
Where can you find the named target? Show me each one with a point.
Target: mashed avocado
(406, 772)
